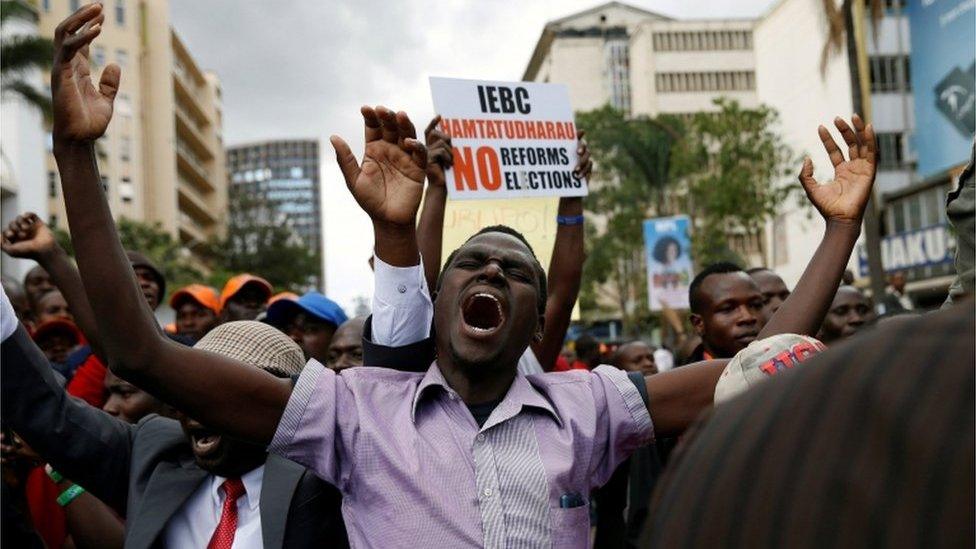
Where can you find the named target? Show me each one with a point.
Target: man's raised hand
(81, 112)
(28, 237)
(440, 156)
(845, 197)
(389, 183)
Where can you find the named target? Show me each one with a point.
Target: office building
(161, 158)
(284, 176)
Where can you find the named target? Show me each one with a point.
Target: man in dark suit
(172, 479)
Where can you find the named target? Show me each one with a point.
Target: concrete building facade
(161, 159)
(22, 174)
(645, 63)
(285, 174)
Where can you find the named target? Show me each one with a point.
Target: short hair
(694, 295)
(661, 246)
(586, 345)
(504, 229)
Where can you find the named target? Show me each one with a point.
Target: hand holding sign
(844, 198)
(439, 156)
(389, 183)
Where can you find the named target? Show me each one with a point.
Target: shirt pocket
(570, 527)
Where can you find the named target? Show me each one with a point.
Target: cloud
(301, 69)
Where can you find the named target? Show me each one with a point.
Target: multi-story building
(792, 79)
(644, 63)
(22, 186)
(162, 158)
(284, 175)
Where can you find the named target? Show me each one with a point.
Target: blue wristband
(569, 219)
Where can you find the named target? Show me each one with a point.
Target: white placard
(510, 139)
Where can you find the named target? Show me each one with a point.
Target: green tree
(165, 251)
(22, 53)
(260, 241)
(632, 158)
(734, 169)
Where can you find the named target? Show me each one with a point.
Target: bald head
(346, 349)
(635, 356)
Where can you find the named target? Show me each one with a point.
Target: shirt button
(402, 289)
(487, 492)
(452, 395)
(480, 437)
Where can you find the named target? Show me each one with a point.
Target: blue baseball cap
(313, 304)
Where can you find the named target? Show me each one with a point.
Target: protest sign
(669, 268)
(510, 139)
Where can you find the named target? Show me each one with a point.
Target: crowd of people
(456, 414)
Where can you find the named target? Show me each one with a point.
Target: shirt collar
(252, 486)
(521, 394)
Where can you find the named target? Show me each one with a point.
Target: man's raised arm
(222, 393)
(841, 202)
(676, 397)
(565, 267)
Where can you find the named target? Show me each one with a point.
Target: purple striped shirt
(415, 469)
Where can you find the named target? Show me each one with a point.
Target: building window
(46, 4)
(617, 60)
(120, 12)
(125, 148)
(52, 184)
(702, 41)
(98, 55)
(890, 151)
(73, 5)
(890, 73)
(125, 189)
(123, 105)
(724, 81)
(122, 58)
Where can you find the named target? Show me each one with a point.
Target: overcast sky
(302, 69)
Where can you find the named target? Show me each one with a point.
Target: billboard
(943, 70)
(929, 246)
(669, 268)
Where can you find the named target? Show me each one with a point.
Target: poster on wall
(943, 74)
(669, 266)
(510, 139)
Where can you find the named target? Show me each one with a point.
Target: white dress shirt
(403, 311)
(193, 524)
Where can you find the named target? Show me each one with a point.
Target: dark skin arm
(206, 386)
(677, 397)
(28, 237)
(841, 202)
(91, 523)
(430, 228)
(565, 270)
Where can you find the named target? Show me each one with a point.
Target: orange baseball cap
(237, 283)
(204, 295)
(290, 296)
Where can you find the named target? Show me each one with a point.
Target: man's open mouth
(204, 442)
(482, 314)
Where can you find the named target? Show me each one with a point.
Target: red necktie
(223, 536)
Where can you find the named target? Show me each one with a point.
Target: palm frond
(837, 22)
(30, 94)
(17, 9)
(18, 53)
